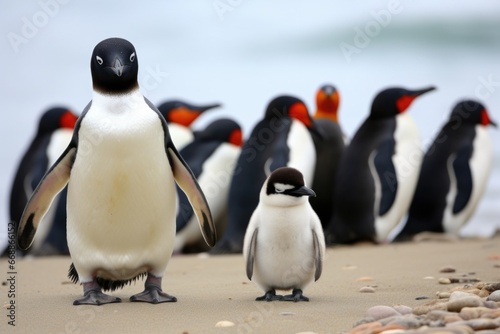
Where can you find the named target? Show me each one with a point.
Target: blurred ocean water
(243, 53)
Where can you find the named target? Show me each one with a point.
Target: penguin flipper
(51, 184)
(251, 254)
(387, 176)
(463, 179)
(187, 182)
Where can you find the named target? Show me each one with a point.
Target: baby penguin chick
(284, 244)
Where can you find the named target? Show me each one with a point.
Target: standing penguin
(378, 171)
(120, 168)
(55, 129)
(211, 157)
(329, 148)
(282, 138)
(179, 116)
(284, 244)
(454, 173)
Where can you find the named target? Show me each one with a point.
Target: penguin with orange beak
(180, 115)
(378, 171)
(454, 173)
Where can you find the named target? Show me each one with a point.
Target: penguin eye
(99, 60)
(132, 57)
(279, 189)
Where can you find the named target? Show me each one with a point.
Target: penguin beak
(211, 106)
(422, 91)
(301, 191)
(117, 67)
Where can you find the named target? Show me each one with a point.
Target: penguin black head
(393, 101)
(290, 106)
(327, 102)
(180, 112)
(223, 130)
(114, 66)
(282, 105)
(56, 118)
(470, 112)
(287, 181)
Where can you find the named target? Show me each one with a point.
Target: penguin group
(153, 186)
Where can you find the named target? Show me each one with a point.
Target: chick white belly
(284, 261)
(121, 212)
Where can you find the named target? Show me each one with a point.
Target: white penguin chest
(121, 191)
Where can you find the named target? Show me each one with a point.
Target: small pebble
(421, 297)
(364, 279)
(447, 269)
(224, 323)
(367, 289)
(492, 287)
(479, 324)
(403, 309)
(381, 312)
(368, 327)
(491, 304)
(494, 296)
(349, 267)
(444, 280)
(460, 294)
(430, 306)
(407, 321)
(443, 295)
(287, 313)
(468, 313)
(429, 277)
(459, 304)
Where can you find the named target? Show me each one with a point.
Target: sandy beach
(211, 289)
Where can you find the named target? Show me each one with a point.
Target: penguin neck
(118, 102)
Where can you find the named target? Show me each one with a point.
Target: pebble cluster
(470, 308)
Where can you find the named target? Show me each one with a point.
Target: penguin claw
(153, 295)
(269, 296)
(296, 296)
(96, 297)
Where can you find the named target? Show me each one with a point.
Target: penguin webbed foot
(296, 296)
(152, 292)
(269, 296)
(94, 296)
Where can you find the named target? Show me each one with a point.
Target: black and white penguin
(54, 132)
(378, 171)
(120, 168)
(284, 243)
(282, 138)
(180, 115)
(211, 156)
(329, 148)
(454, 173)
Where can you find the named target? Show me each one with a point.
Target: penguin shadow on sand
(211, 156)
(54, 132)
(377, 172)
(284, 245)
(454, 173)
(121, 202)
(282, 138)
